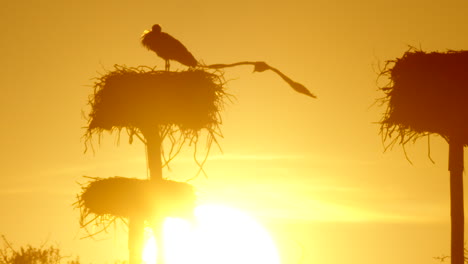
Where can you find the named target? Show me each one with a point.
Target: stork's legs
(168, 65)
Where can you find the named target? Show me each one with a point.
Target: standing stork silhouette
(167, 47)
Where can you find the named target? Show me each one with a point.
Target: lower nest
(127, 197)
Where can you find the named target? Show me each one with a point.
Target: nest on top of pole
(178, 104)
(427, 93)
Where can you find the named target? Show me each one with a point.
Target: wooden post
(136, 234)
(137, 224)
(456, 200)
(153, 150)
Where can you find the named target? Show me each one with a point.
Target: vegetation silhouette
(33, 255)
(427, 94)
(444, 257)
(167, 47)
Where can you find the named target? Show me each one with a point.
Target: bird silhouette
(167, 47)
(260, 66)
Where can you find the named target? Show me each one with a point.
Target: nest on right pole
(427, 93)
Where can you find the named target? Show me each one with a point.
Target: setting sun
(220, 235)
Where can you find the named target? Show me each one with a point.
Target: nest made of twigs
(427, 93)
(103, 200)
(179, 104)
(142, 96)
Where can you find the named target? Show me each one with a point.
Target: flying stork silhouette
(260, 66)
(167, 47)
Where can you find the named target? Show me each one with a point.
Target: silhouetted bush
(444, 257)
(33, 255)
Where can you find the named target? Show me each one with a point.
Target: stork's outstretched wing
(260, 66)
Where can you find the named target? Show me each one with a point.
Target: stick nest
(103, 201)
(179, 104)
(141, 97)
(427, 93)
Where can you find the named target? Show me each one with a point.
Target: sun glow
(220, 235)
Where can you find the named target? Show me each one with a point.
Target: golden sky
(286, 158)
